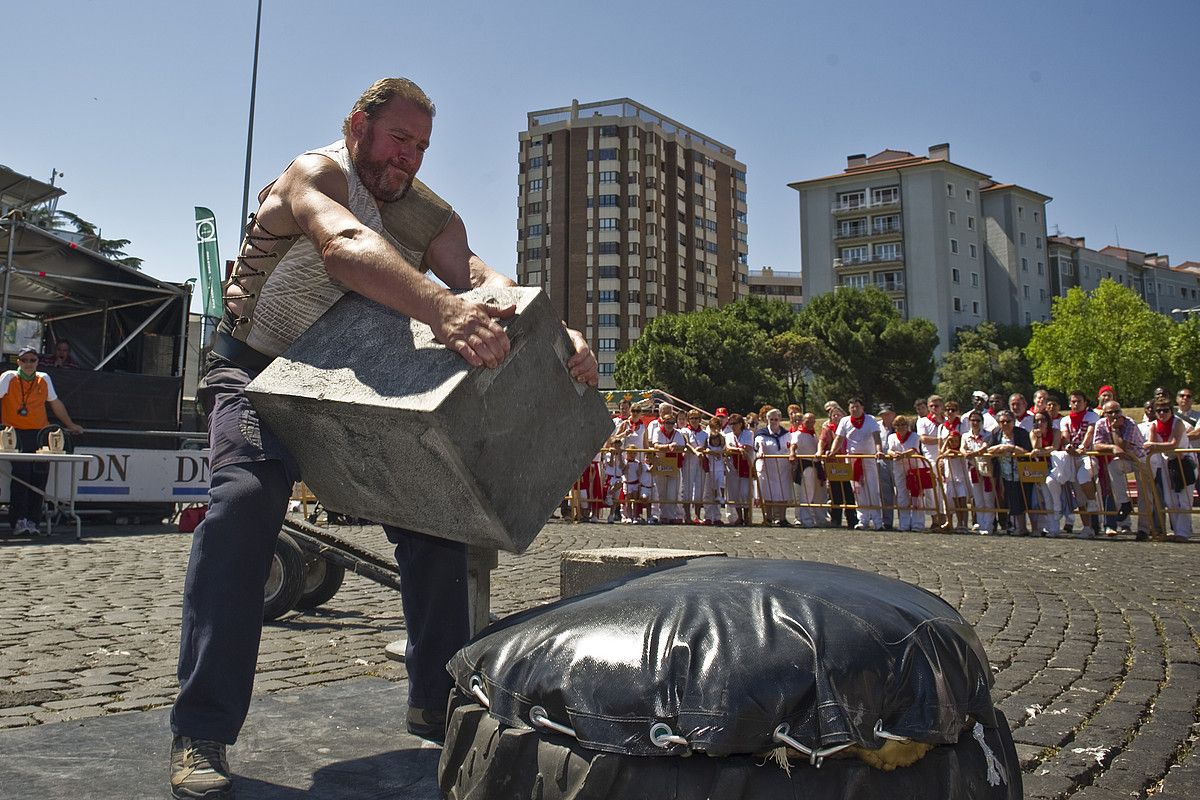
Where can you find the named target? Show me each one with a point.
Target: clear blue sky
(143, 104)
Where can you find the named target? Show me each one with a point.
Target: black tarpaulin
(724, 650)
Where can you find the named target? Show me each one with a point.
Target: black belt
(238, 352)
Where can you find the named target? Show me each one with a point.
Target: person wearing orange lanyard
(24, 395)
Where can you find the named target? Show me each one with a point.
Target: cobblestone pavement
(1095, 645)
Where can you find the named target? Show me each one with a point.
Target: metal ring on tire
(661, 735)
(476, 686)
(815, 757)
(880, 733)
(537, 716)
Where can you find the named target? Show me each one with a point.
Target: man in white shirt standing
(861, 432)
(1078, 429)
(927, 430)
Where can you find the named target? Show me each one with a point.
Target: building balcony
(864, 207)
(890, 286)
(852, 233)
(875, 258)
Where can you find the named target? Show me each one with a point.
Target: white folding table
(56, 461)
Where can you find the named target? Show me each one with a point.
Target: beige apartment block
(1171, 290)
(624, 214)
(778, 284)
(945, 241)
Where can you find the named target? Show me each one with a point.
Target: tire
(285, 582)
(486, 758)
(322, 579)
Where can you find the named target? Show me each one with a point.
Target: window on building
(739, 216)
(954, 275)
(631, 201)
(609, 176)
(954, 245)
(1037, 242)
(534, 230)
(953, 217)
(1028, 318)
(610, 296)
(885, 195)
(604, 154)
(609, 248)
(975, 307)
(851, 228)
(634, 248)
(608, 320)
(634, 296)
(1025, 291)
(860, 281)
(853, 255)
(535, 162)
(887, 251)
(1020, 212)
(851, 199)
(535, 185)
(1041, 294)
(1041, 268)
(885, 224)
(609, 200)
(970, 223)
(740, 196)
(711, 247)
(1024, 265)
(608, 130)
(1022, 238)
(949, 190)
(608, 224)
(606, 345)
(1037, 217)
(534, 208)
(974, 278)
(898, 303)
(974, 251)
(957, 304)
(533, 253)
(609, 271)
(970, 194)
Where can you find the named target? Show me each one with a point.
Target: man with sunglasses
(1117, 435)
(25, 394)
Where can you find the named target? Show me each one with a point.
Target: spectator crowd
(993, 465)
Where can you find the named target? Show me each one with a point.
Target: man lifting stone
(348, 217)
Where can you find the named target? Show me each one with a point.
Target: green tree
(772, 317)
(1107, 336)
(793, 358)
(987, 358)
(867, 348)
(114, 249)
(1183, 357)
(707, 357)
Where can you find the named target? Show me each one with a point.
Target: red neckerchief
(952, 423)
(830, 426)
(1057, 416)
(809, 431)
(1022, 417)
(1164, 432)
(933, 419)
(1077, 419)
(858, 423)
(693, 428)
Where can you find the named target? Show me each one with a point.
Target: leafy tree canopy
(1109, 336)
(987, 358)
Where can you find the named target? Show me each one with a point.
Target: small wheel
(322, 579)
(285, 582)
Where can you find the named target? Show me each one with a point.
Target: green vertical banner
(210, 262)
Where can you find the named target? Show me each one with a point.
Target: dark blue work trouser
(223, 602)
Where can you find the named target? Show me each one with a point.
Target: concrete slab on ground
(333, 742)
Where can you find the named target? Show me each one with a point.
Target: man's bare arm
(313, 191)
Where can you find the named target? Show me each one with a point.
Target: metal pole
(12, 236)
(250, 123)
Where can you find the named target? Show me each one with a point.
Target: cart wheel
(286, 579)
(322, 579)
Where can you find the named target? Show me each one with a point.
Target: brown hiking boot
(199, 769)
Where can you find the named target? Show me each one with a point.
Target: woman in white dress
(774, 480)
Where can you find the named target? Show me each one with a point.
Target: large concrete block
(388, 424)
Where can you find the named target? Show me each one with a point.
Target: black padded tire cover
(724, 650)
(484, 758)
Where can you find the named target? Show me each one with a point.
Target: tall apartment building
(624, 214)
(946, 242)
(1174, 291)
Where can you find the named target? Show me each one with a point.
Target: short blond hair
(379, 93)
